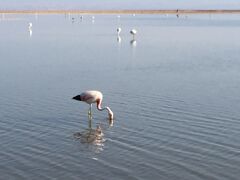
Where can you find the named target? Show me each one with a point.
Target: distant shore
(175, 11)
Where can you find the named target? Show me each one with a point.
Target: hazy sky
(119, 4)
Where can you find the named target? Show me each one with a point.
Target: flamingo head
(78, 98)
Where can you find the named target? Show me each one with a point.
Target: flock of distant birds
(133, 32)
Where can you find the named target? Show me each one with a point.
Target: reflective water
(174, 91)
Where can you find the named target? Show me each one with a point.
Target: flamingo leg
(90, 110)
(90, 122)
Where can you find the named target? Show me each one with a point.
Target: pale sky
(119, 4)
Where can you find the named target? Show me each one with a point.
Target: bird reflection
(30, 32)
(133, 42)
(119, 39)
(92, 136)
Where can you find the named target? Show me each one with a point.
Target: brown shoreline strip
(177, 11)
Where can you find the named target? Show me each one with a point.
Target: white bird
(133, 32)
(91, 97)
(30, 26)
(93, 19)
(119, 30)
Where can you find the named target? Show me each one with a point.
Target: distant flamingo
(30, 26)
(91, 97)
(30, 29)
(118, 31)
(133, 32)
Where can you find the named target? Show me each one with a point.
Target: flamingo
(93, 19)
(119, 30)
(30, 29)
(91, 97)
(133, 32)
(30, 26)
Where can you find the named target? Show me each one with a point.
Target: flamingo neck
(100, 108)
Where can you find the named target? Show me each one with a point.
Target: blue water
(174, 91)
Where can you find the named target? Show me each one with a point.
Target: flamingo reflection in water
(91, 136)
(94, 138)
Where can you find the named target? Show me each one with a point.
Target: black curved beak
(78, 98)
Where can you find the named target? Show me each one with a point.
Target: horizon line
(124, 11)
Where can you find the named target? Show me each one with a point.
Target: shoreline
(174, 11)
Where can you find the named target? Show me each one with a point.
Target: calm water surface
(175, 92)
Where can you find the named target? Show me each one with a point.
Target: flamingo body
(91, 97)
(133, 32)
(119, 30)
(30, 25)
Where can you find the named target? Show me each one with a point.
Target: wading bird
(30, 26)
(91, 97)
(118, 31)
(133, 32)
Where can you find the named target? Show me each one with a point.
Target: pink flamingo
(91, 97)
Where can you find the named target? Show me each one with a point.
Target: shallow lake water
(174, 90)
